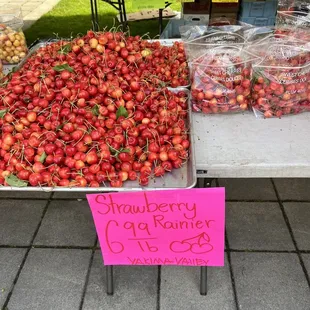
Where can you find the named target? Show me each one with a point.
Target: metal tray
(184, 177)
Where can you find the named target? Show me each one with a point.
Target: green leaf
(2, 113)
(8, 77)
(95, 110)
(63, 67)
(112, 151)
(65, 49)
(125, 151)
(121, 111)
(13, 180)
(4, 83)
(42, 157)
(59, 127)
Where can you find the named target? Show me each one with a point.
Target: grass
(73, 17)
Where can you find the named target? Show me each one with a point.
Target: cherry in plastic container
(221, 80)
(281, 82)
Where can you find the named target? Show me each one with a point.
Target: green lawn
(73, 17)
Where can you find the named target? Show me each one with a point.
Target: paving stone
(67, 223)
(18, 2)
(19, 220)
(306, 259)
(46, 6)
(268, 281)
(293, 189)
(25, 12)
(34, 15)
(299, 217)
(42, 9)
(36, 2)
(30, 5)
(180, 289)
(10, 260)
(248, 189)
(31, 195)
(257, 226)
(135, 287)
(51, 279)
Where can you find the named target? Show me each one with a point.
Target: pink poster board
(175, 227)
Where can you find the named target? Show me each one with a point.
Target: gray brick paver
(248, 189)
(293, 188)
(299, 217)
(18, 221)
(270, 281)
(54, 278)
(180, 289)
(67, 223)
(51, 279)
(10, 260)
(135, 287)
(257, 226)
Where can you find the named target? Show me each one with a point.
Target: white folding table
(240, 145)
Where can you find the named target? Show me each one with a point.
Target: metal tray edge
(114, 189)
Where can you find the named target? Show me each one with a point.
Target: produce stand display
(228, 142)
(229, 145)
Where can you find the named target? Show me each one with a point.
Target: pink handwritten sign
(175, 227)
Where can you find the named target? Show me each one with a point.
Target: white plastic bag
(221, 80)
(281, 82)
(13, 47)
(294, 23)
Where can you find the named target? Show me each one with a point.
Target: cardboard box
(258, 8)
(197, 13)
(224, 15)
(224, 7)
(196, 8)
(225, 1)
(258, 21)
(219, 19)
(148, 14)
(197, 19)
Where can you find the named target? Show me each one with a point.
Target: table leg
(203, 280)
(160, 20)
(110, 284)
(92, 14)
(96, 16)
(120, 10)
(201, 183)
(124, 15)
